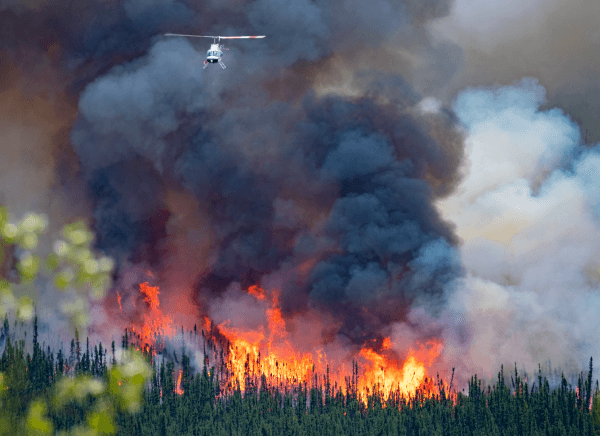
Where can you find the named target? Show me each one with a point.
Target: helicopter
(214, 54)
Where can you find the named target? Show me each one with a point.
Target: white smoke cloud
(530, 236)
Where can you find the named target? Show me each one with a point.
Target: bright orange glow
(257, 291)
(278, 362)
(178, 389)
(153, 322)
(389, 376)
(151, 295)
(253, 354)
(119, 300)
(268, 351)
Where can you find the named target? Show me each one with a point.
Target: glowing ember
(119, 300)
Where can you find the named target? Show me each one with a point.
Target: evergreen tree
(588, 386)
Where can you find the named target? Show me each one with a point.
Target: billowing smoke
(527, 216)
(344, 183)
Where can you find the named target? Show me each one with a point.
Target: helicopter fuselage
(214, 54)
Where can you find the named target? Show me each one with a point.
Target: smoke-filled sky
(403, 169)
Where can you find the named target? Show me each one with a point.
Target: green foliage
(121, 390)
(37, 421)
(71, 266)
(596, 411)
(204, 409)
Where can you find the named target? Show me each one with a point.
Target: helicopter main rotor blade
(241, 37)
(193, 36)
(215, 37)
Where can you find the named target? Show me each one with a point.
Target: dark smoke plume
(281, 177)
(309, 163)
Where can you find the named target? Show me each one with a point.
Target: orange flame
(153, 322)
(178, 388)
(257, 291)
(281, 364)
(119, 300)
(389, 376)
(268, 352)
(151, 295)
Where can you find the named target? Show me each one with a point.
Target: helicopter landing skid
(222, 65)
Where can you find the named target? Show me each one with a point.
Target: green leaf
(90, 266)
(77, 389)
(29, 241)
(63, 279)
(25, 310)
(3, 216)
(101, 418)
(52, 261)
(33, 223)
(97, 293)
(29, 267)
(5, 427)
(77, 234)
(127, 381)
(7, 299)
(61, 248)
(101, 281)
(36, 422)
(102, 423)
(106, 264)
(9, 232)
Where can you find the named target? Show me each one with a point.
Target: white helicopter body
(215, 53)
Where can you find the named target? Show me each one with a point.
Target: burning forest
(235, 354)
